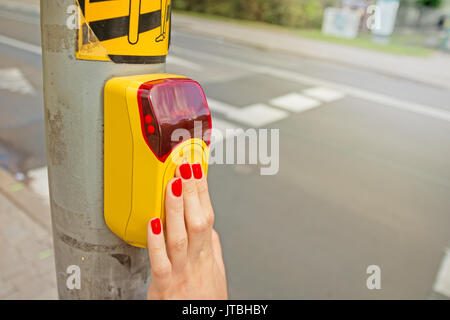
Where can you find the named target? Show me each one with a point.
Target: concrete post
(73, 99)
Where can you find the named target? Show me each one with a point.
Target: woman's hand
(188, 264)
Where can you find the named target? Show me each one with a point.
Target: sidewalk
(27, 269)
(433, 70)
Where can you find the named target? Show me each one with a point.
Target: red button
(148, 119)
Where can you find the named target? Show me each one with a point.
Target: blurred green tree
(292, 13)
(430, 3)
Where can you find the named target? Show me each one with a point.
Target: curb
(26, 200)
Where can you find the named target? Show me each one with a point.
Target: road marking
(256, 115)
(324, 94)
(20, 45)
(13, 80)
(442, 283)
(295, 102)
(39, 182)
(221, 107)
(183, 62)
(432, 112)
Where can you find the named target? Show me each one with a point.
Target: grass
(398, 44)
(395, 46)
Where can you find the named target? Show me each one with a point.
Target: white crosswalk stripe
(221, 107)
(324, 94)
(256, 115)
(295, 102)
(442, 284)
(13, 80)
(39, 182)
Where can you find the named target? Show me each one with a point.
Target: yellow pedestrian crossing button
(124, 31)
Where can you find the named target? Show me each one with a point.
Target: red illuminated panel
(169, 104)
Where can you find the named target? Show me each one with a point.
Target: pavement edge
(26, 200)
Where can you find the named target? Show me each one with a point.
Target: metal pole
(73, 98)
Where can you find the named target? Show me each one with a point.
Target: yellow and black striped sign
(124, 31)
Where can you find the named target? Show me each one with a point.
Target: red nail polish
(156, 225)
(185, 170)
(197, 170)
(177, 187)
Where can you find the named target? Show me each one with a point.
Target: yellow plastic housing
(135, 180)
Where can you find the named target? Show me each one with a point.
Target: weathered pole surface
(73, 98)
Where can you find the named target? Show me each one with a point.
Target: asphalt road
(364, 166)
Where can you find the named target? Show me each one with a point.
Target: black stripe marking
(82, 6)
(118, 27)
(170, 25)
(149, 21)
(137, 59)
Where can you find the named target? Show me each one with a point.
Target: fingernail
(156, 225)
(177, 187)
(197, 170)
(185, 170)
